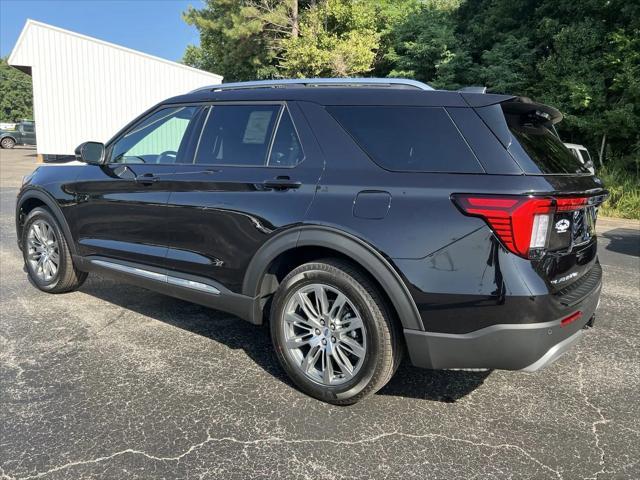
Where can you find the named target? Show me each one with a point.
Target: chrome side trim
(160, 277)
(181, 282)
(553, 353)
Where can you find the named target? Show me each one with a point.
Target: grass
(624, 189)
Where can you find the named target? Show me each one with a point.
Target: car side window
(158, 138)
(237, 135)
(407, 138)
(286, 150)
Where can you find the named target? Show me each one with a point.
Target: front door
(120, 210)
(254, 173)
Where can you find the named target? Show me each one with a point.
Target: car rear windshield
(543, 147)
(408, 139)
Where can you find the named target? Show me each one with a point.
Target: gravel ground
(116, 382)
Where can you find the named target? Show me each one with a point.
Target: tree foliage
(16, 97)
(338, 38)
(582, 57)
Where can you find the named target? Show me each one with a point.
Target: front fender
(35, 193)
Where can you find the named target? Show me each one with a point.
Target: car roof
(343, 95)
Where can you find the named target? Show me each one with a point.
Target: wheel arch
(323, 241)
(32, 198)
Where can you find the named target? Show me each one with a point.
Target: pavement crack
(279, 440)
(594, 425)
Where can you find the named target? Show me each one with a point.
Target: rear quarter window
(408, 139)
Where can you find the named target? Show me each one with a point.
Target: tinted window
(237, 135)
(27, 127)
(156, 139)
(532, 139)
(286, 150)
(408, 139)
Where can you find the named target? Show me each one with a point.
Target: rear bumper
(528, 347)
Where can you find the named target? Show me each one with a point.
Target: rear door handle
(146, 179)
(281, 183)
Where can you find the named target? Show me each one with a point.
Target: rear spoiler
(475, 97)
(537, 111)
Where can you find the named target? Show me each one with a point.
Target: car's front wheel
(333, 332)
(46, 254)
(7, 142)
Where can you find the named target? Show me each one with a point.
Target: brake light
(520, 222)
(568, 204)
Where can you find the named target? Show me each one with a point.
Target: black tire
(68, 277)
(384, 346)
(7, 142)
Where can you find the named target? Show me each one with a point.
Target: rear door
(254, 173)
(120, 210)
(28, 132)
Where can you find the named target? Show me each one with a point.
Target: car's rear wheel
(333, 332)
(7, 142)
(46, 254)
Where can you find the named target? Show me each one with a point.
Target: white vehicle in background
(582, 154)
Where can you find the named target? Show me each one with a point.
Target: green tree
(242, 40)
(338, 38)
(16, 94)
(424, 45)
(250, 39)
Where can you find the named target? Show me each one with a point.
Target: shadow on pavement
(623, 240)
(435, 385)
(409, 381)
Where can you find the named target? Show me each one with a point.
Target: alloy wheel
(43, 252)
(324, 334)
(7, 143)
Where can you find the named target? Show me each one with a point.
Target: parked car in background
(362, 219)
(23, 134)
(582, 154)
(8, 126)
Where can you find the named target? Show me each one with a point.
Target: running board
(160, 277)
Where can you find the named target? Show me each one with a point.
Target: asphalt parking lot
(117, 382)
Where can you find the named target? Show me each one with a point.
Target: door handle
(146, 179)
(281, 183)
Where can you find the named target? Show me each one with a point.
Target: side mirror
(90, 152)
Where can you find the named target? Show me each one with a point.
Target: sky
(150, 26)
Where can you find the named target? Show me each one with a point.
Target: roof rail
(319, 82)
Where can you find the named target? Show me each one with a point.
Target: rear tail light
(520, 222)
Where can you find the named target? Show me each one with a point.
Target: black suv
(359, 218)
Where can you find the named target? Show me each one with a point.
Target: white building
(87, 89)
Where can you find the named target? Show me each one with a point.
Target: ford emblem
(562, 225)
